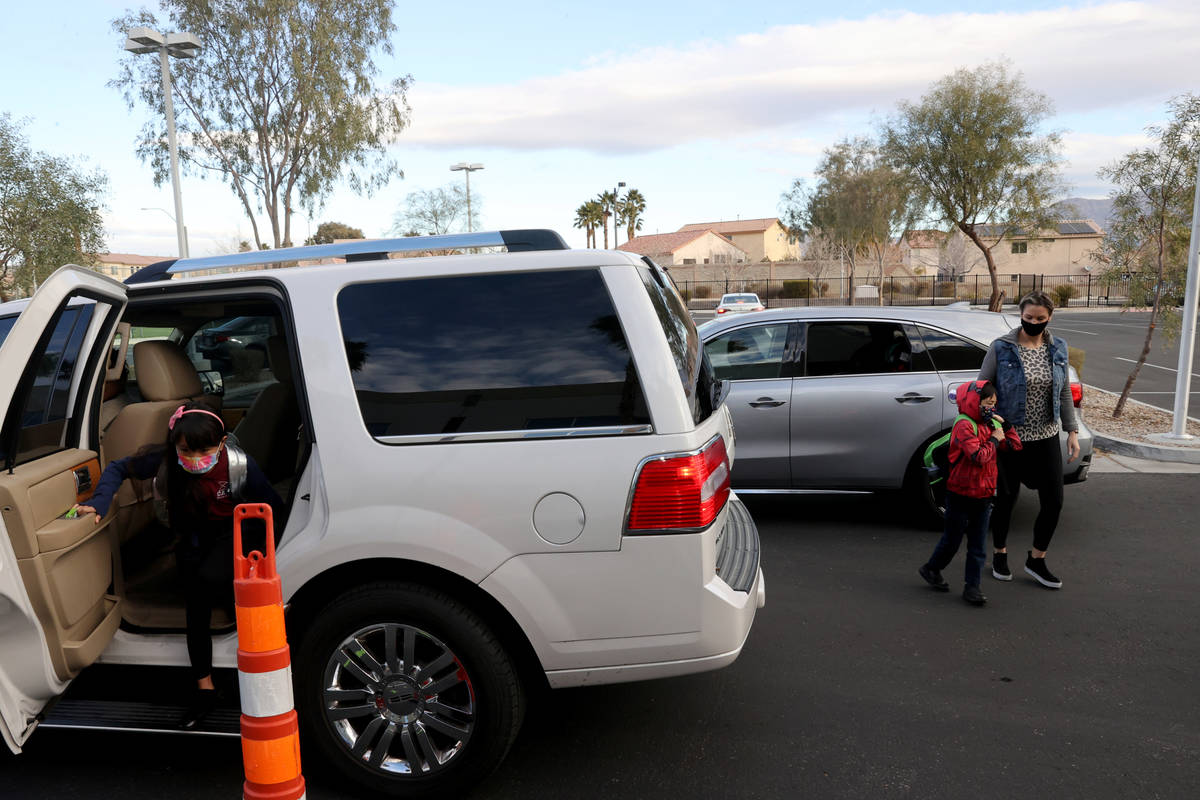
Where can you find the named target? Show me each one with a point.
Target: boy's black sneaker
(973, 596)
(934, 578)
(1000, 570)
(1041, 573)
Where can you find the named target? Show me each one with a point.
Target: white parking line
(1156, 366)
(1073, 330)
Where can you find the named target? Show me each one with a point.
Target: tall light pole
(616, 196)
(168, 213)
(179, 45)
(467, 169)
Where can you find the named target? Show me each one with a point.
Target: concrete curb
(1125, 447)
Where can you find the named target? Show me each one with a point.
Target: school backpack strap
(238, 469)
(937, 454)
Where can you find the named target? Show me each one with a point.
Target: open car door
(60, 593)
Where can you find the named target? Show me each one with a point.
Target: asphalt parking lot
(857, 679)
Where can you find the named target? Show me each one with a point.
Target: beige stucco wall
(709, 248)
(771, 244)
(1060, 256)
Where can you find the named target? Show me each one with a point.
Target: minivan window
(701, 385)
(489, 353)
(856, 348)
(950, 352)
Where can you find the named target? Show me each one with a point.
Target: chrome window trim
(519, 435)
(637, 473)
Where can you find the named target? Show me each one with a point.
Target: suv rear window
(489, 353)
(700, 384)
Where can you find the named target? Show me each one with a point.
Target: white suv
(480, 502)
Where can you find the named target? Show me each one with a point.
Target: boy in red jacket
(974, 442)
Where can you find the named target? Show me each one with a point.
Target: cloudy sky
(709, 108)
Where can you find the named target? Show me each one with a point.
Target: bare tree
(436, 211)
(980, 162)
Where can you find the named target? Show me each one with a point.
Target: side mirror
(212, 381)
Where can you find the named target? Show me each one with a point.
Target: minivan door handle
(766, 402)
(913, 397)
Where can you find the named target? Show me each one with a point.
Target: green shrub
(798, 290)
(1063, 294)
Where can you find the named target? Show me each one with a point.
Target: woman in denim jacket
(1029, 367)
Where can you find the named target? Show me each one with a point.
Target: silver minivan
(479, 504)
(847, 399)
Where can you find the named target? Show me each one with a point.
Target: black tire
(397, 716)
(928, 502)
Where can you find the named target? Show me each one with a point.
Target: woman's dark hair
(987, 390)
(1037, 298)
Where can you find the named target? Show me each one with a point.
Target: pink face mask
(199, 464)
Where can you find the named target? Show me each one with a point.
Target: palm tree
(606, 199)
(630, 212)
(583, 220)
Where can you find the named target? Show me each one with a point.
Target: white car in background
(739, 303)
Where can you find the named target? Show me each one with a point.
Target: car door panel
(859, 429)
(60, 583)
(756, 360)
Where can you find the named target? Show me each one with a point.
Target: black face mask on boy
(1034, 328)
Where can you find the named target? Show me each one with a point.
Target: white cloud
(1085, 153)
(791, 76)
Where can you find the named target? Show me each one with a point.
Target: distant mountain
(1086, 208)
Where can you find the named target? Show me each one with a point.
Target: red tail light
(1077, 393)
(221, 338)
(721, 310)
(684, 492)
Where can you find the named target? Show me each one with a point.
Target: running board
(116, 715)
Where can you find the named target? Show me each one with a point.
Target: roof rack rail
(516, 241)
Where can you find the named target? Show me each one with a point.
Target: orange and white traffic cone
(270, 733)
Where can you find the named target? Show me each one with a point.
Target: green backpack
(937, 454)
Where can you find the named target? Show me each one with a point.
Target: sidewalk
(1103, 461)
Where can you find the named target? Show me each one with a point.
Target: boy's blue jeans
(964, 515)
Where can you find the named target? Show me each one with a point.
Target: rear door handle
(766, 402)
(913, 397)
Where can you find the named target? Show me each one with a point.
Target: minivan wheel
(407, 692)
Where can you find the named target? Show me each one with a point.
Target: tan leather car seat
(165, 378)
(269, 430)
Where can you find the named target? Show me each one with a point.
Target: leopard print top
(1039, 385)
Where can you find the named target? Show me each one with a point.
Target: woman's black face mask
(1034, 328)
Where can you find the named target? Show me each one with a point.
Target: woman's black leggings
(1039, 466)
(207, 581)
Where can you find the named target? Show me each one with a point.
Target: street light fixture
(616, 197)
(467, 169)
(180, 45)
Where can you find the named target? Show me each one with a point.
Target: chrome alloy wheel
(399, 699)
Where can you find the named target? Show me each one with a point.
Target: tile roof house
(122, 265)
(686, 247)
(1069, 248)
(920, 250)
(763, 239)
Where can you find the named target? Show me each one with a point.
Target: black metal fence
(1068, 291)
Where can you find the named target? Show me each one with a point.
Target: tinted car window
(507, 352)
(950, 352)
(856, 348)
(701, 386)
(749, 353)
(6, 325)
(43, 417)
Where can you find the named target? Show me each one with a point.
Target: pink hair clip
(174, 418)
